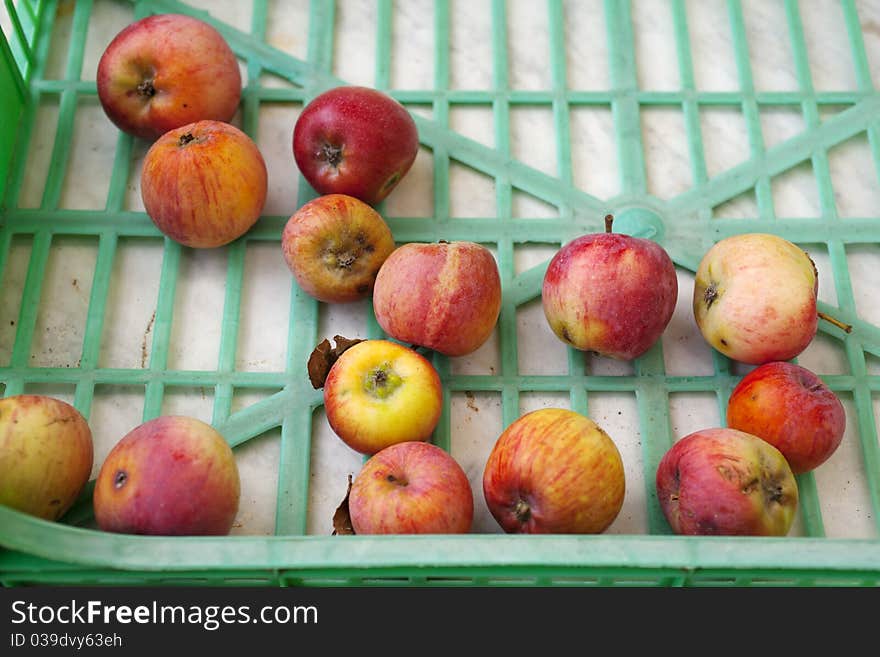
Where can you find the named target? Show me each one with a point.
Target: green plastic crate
(686, 224)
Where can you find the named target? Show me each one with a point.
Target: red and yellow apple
(445, 296)
(792, 409)
(755, 298)
(721, 481)
(355, 140)
(554, 471)
(610, 293)
(170, 476)
(46, 455)
(379, 393)
(204, 184)
(165, 71)
(334, 245)
(411, 488)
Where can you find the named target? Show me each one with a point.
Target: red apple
(204, 184)
(170, 476)
(356, 141)
(379, 393)
(727, 482)
(791, 408)
(554, 471)
(165, 71)
(755, 298)
(334, 245)
(610, 293)
(411, 488)
(445, 296)
(45, 455)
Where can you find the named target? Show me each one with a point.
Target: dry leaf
(341, 518)
(323, 357)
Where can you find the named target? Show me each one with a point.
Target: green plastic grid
(684, 225)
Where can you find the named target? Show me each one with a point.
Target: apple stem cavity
(185, 139)
(711, 294)
(331, 154)
(381, 382)
(522, 511)
(846, 328)
(119, 479)
(609, 219)
(146, 89)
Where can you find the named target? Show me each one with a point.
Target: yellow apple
(379, 393)
(45, 455)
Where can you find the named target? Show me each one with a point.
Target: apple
(445, 296)
(334, 245)
(755, 298)
(791, 408)
(46, 455)
(379, 393)
(726, 482)
(554, 471)
(170, 476)
(204, 184)
(411, 487)
(355, 140)
(165, 71)
(610, 293)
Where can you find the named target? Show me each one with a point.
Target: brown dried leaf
(341, 518)
(323, 357)
(343, 344)
(319, 364)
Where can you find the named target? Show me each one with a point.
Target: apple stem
(609, 219)
(185, 139)
(847, 328)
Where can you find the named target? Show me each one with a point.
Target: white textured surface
(476, 418)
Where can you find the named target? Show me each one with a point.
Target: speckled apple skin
(720, 481)
(444, 296)
(204, 184)
(179, 477)
(194, 72)
(563, 467)
(792, 409)
(610, 293)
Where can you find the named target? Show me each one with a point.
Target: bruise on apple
(722, 481)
